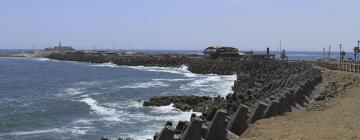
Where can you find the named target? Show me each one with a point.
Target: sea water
(51, 99)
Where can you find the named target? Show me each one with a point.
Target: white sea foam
(125, 104)
(224, 87)
(107, 114)
(88, 83)
(221, 85)
(171, 80)
(163, 113)
(109, 64)
(98, 109)
(181, 70)
(40, 59)
(163, 109)
(83, 121)
(73, 130)
(169, 112)
(146, 85)
(71, 92)
(20, 133)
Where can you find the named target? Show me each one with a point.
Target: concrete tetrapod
(272, 109)
(193, 132)
(217, 128)
(258, 112)
(166, 134)
(238, 122)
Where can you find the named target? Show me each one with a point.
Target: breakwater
(263, 89)
(195, 64)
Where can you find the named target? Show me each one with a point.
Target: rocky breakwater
(263, 89)
(196, 65)
(81, 57)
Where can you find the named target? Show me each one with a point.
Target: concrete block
(258, 112)
(193, 132)
(217, 128)
(204, 129)
(166, 134)
(283, 105)
(180, 126)
(238, 122)
(211, 114)
(231, 136)
(272, 109)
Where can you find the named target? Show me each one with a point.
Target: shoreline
(234, 105)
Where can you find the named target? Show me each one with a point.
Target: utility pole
(323, 53)
(329, 53)
(340, 58)
(280, 49)
(358, 49)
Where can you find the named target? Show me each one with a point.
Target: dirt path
(340, 120)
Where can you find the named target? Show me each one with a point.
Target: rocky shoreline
(263, 89)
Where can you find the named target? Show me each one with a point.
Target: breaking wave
(146, 85)
(108, 114)
(214, 84)
(112, 65)
(181, 70)
(74, 130)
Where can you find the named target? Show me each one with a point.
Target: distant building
(220, 51)
(60, 48)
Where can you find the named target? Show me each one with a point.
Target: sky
(302, 25)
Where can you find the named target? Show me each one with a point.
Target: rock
(184, 103)
(104, 138)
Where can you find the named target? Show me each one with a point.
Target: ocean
(50, 99)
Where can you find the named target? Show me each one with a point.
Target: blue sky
(180, 24)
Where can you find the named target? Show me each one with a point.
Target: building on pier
(220, 51)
